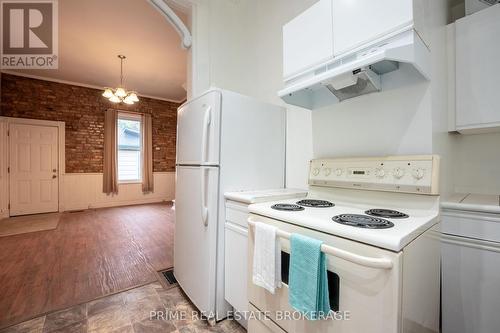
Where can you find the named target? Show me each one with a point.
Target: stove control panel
(409, 174)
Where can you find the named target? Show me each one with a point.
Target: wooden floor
(91, 254)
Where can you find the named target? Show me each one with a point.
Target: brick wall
(82, 109)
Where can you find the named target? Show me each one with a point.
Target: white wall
(267, 20)
(477, 163)
(84, 190)
(299, 147)
(442, 141)
(393, 122)
(221, 46)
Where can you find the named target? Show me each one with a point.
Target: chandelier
(119, 94)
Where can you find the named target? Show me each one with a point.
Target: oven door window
(333, 281)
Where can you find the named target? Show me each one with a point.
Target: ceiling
(93, 32)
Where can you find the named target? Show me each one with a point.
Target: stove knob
(379, 172)
(418, 173)
(339, 172)
(398, 173)
(315, 171)
(327, 171)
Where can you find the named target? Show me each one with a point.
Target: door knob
(54, 176)
(54, 170)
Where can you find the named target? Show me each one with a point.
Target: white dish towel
(266, 258)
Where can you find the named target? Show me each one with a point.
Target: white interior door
(33, 169)
(195, 241)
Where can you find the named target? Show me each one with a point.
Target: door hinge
(8, 132)
(8, 206)
(8, 169)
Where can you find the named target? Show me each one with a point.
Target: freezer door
(198, 130)
(195, 242)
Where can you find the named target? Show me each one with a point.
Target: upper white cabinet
(477, 71)
(357, 22)
(308, 39)
(331, 28)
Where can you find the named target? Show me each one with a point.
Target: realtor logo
(29, 34)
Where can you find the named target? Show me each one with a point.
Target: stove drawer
(262, 324)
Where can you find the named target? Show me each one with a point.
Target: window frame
(134, 117)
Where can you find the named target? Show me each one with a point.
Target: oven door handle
(380, 263)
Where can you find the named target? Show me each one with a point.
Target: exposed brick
(82, 109)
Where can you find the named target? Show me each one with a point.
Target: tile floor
(128, 311)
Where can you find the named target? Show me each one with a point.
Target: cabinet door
(478, 51)
(356, 22)
(470, 292)
(308, 39)
(235, 266)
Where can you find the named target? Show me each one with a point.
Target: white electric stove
(378, 219)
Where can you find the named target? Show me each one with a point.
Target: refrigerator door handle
(204, 138)
(204, 208)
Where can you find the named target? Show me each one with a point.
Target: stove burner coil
(387, 213)
(362, 221)
(287, 207)
(315, 203)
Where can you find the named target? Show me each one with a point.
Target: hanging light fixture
(119, 94)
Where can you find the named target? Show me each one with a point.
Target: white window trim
(135, 117)
(130, 182)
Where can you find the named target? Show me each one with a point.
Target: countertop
(250, 197)
(484, 203)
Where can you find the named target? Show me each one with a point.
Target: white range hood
(357, 73)
(340, 49)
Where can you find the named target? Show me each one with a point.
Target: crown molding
(79, 84)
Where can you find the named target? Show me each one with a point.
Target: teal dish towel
(308, 281)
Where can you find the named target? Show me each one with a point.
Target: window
(129, 148)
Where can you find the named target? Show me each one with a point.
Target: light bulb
(114, 99)
(107, 92)
(128, 100)
(120, 92)
(133, 96)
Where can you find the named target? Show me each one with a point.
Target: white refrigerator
(225, 142)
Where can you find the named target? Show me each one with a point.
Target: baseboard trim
(105, 205)
(126, 203)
